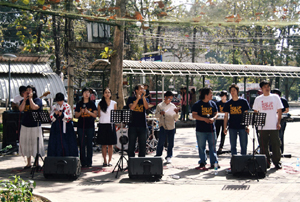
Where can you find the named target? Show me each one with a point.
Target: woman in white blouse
(106, 130)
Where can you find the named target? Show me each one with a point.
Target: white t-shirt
(105, 116)
(268, 104)
(18, 99)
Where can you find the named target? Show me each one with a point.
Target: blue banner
(157, 58)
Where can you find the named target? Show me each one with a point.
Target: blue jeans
(161, 141)
(86, 143)
(243, 140)
(141, 134)
(211, 138)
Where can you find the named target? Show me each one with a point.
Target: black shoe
(268, 165)
(278, 166)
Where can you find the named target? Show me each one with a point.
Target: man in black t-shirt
(138, 127)
(236, 107)
(286, 109)
(205, 112)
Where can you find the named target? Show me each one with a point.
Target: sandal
(104, 165)
(27, 167)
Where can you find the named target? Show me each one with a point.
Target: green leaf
(26, 1)
(41, 2)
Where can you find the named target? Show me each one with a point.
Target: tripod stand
(43, 117)
(254, 119)
(121, 116)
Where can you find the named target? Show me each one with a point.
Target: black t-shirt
(284, 103)
(236, 109)
(220, 106)
(86, 119)
(138, 118)
(207, 110)
(27, 119)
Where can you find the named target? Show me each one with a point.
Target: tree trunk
(116, 72)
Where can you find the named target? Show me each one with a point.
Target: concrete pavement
(99, 184)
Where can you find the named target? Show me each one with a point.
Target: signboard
(171, 86)
(249, 86)
(157, 58)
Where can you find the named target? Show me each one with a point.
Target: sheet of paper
(170, 111)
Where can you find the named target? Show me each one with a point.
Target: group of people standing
(62, 140)
(205, 112)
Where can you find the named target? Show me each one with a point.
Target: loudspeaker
(145, 167)
(65, 166)
(11, 123)
(244, 164)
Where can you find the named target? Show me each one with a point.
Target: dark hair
(146, 85)
(33, 91)
(59, 97)
(169, 93)
(276, 91)
(223, 92)
(102, 103)
(22, 89)
(204, 91)
(193, 90)
(137, 87)
(184, 88)
(83, 90)
(234, 86)
(264, 82)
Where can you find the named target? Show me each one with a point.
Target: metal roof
(47, 82)
(26, 68)
(202, 69)
(28, 59)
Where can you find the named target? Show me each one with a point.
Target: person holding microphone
(86, 112)
(138, 126)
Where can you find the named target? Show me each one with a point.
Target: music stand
(43, 117)
(121, 116)
(254, 119)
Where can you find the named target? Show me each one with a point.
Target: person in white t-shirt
(270, 104)
(107, 136)
(17, 99)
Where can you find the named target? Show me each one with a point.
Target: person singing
(270, 104)
(62, 140)
(168, 115)
(86, 112)
(107, 136)
(30, 130)
(138, 126)
(235, 107)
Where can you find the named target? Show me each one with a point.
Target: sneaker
(201, 167)
(169, 160)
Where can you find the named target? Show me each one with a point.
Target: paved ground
(99, 184)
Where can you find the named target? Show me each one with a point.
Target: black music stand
(121, 116)
(43, 117)
(254, 119)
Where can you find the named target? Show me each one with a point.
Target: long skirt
(28, 141)
(62, 144)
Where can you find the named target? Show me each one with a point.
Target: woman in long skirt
(30, 130)
(107, 136)
(62, 140)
